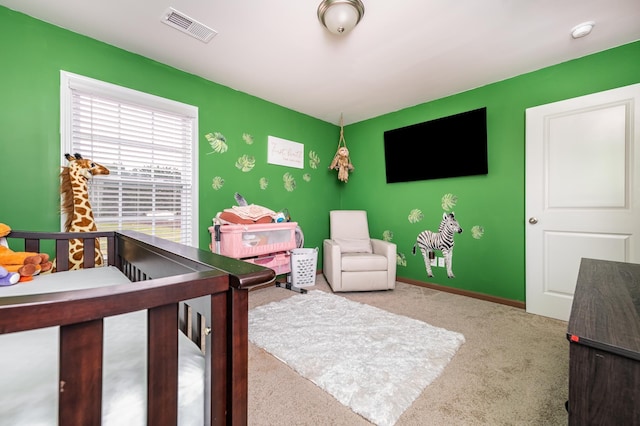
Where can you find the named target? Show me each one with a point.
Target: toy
(4, 231)
(25, 264)
(8, 278)
(341, 161)
(74, 181)
(342, 164)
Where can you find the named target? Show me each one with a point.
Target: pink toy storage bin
(279, 262)
(240, 241)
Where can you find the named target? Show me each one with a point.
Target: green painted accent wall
(34, 52)
(495, 263)
(33, 55)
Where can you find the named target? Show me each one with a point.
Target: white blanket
(29, 362)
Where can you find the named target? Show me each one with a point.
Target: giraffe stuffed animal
(74, 180)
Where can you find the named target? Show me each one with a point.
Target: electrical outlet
(433, 262)
(441, 262)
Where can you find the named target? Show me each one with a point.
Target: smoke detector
(183, 23)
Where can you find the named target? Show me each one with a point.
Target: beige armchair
(352, 261)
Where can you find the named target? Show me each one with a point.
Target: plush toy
(8, 278)
(26, 264)
(341, 161)
(4, 231)
(342, 164)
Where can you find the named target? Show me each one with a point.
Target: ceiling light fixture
(582, 30)
(340, 16)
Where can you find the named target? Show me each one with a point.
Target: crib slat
(80, 401)
(162, 354)
(187, 316)
(32, 245)
(89, 247)
(238, 322)
(62, 255)
(219, 379)
(111, 250)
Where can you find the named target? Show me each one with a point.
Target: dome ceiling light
(340, 16)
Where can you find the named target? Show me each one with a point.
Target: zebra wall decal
(442, 240)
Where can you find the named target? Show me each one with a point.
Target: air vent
(182, 22)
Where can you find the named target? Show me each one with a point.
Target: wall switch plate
(434, 262)
(441, 262)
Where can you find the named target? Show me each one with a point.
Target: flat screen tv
(442, 148)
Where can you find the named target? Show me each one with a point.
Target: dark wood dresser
(604, 348)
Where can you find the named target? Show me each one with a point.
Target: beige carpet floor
(511, 370)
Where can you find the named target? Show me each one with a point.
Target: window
(148, 144)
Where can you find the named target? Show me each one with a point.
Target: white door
(582, 192)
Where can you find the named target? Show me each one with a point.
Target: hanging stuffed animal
(341, 161)
(342, 164)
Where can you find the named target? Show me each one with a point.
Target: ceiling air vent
(182, 22)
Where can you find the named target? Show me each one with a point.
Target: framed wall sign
(285, 153)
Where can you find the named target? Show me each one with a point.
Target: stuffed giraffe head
(76, 206)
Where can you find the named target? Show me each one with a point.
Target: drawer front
(279, 262)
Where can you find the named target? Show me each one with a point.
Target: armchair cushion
(354, 245)
(352, 262)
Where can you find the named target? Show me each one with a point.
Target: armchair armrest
(389, 250)
(384, 247)
(331, 262)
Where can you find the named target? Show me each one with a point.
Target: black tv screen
(442, 148)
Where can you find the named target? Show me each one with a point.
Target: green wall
(34, 53)
(494, 263)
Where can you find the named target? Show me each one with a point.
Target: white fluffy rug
(375, 362)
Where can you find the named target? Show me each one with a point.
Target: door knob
(533, 220)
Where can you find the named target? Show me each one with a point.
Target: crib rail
(165, 275)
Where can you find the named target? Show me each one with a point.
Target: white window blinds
(148, 144)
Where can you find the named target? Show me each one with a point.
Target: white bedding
(29, 362)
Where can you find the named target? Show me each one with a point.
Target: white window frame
(70, 82)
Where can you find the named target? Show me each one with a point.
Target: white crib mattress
(29, 362)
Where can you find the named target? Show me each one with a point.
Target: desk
(604, 348)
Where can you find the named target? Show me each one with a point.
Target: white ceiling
(403, 52)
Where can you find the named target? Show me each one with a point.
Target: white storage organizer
(303, 267)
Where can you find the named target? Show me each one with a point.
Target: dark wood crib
(203, 294)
